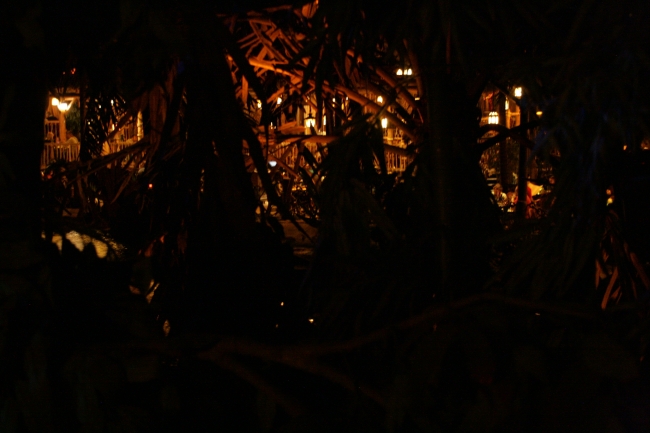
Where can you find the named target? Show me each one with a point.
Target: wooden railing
(59, 151)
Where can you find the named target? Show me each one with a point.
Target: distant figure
(500, 197)
(70, 139)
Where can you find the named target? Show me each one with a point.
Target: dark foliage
(418, 311)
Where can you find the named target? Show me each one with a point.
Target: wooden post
(522, 181)
(503, 146)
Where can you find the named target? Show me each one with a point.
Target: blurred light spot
(166, 327)
(152, 289)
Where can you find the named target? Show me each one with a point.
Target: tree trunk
(24, 393)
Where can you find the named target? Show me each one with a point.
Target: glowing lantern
(518, 92)
(400, 72)
(409, 71)
(493, 118)
(384, 123)
(64, 106)
(55, 102)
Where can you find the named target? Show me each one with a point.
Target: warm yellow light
(259, 104)
(310, 122)
(507, 104)
(55, 102)
(384, 123)
(273, 163)
(279, 101)
(539, 114)
(409, 71)
(493, 118)
(380, 100)
(64, 106)
(311, 320)
(518, 92)
(400, 72)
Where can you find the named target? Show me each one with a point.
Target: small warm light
(55, 102)
(507, 104)
(417, 98)
(64, 106)
(518, 92)
(151, 186)
(259, 104)
(539, 114)
(310, 122)
(334, 100)
(273, 163)
(279, 101)
(277, 325)
(112, 102)
(311, 320)
(380, 100)
(409, 71)
(281, 304)
(384, 123)
(625, 147)
(609, 192)
(400, 72)
(493, 118)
